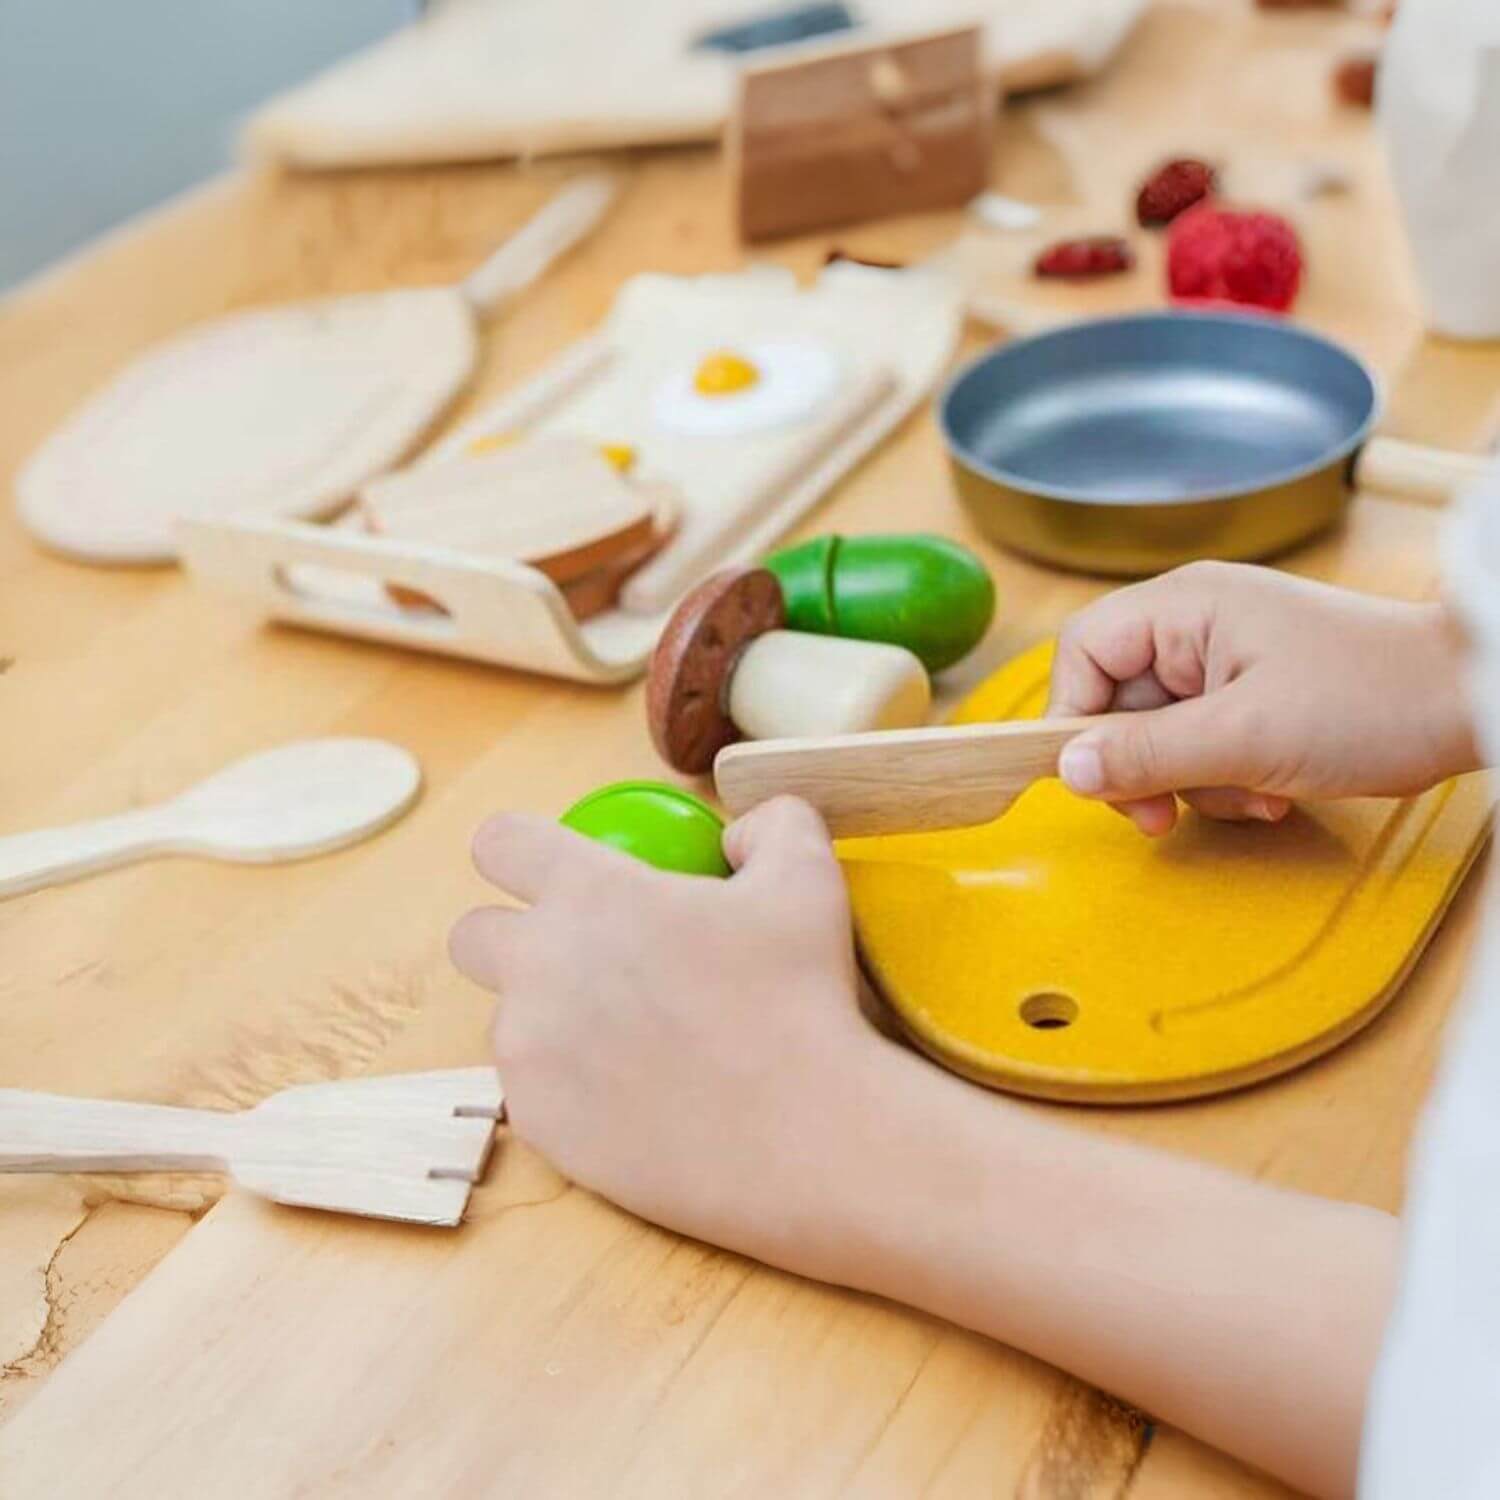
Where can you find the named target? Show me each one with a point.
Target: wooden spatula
(280, 411)
(899, 780)
(405, 1147)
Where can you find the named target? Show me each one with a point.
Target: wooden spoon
(899, 780)
(301, 799)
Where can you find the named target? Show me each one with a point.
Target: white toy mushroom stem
(787, 684)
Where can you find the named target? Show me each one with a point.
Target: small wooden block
(686, 702)
(861, 132)
(554, 503)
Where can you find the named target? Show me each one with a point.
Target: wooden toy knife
(899, 780)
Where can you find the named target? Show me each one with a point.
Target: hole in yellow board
(1049, 1011)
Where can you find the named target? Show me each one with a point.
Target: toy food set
(281, 411)
(831, 637)
(860, 132)
(488, 78)
(1058, 953)
(407, 1147)
(725, 404)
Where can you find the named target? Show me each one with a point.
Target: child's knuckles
(790, 820)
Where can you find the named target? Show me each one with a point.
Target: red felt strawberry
(1249, 257)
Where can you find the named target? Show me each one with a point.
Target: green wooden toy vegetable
(663, 825)
(915, 590)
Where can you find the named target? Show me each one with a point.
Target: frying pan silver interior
(1128, 445)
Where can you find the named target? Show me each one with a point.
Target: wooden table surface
(553, 1346)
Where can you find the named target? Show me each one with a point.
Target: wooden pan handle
(1413, 471)
(899, 780)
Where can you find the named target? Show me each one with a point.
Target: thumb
(1197, 742)
(778, 834)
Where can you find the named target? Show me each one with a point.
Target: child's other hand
(1253, 687)
(688, 1047)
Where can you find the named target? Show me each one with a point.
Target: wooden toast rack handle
(899, 780)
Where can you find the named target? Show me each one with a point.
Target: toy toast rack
(556, 530)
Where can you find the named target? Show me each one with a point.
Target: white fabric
(488, 78)
(1439, 108)
(1433, 1427)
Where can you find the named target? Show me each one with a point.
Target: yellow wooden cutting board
(1058, 952)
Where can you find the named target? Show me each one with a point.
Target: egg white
(795, 379)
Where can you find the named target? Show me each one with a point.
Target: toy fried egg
(732, 392)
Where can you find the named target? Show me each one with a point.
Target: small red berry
(1095, 255)
(1216, 254)
(1174, 186)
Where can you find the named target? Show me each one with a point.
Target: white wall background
(110, 106)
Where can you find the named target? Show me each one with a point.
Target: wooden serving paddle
(899, 780)
(405, 1147)
(279, 411)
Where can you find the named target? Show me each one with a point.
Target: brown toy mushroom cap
(685, 692)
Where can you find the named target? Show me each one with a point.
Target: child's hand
(1257, 687)
(690, 1048)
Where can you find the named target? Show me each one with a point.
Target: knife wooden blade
(899, 780)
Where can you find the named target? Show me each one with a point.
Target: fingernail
(1081, 769)
(1268, 809)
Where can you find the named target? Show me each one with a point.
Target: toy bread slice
(599, 590)
(554, 503)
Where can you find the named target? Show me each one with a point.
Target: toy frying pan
(282, 411)
(1129, 445)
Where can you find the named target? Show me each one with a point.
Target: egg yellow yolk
(723, 374)
(621, 455)
(488, 442)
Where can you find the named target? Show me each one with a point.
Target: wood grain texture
(453, 1364)
(898, 780)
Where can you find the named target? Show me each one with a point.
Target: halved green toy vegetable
(916, 590)
(661, 824)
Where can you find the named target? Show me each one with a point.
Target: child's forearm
(1245, 1314)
